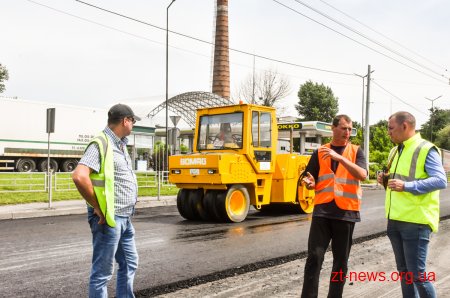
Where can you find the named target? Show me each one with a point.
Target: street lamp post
(167, 86)
(432, 115)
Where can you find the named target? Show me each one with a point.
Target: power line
(410, 83)
(385, 36)
(211, 43)
(396, 97)
(112, 28)
(367, 37)
(174, 47)
(206, 42)
(352, 39)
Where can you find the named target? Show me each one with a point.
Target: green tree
(158, 162)
(440, 119)
(316, 102)
(379, 138)
(4, 76)
(358, 139)
(184, 149)
(379, 144)
(443, 138)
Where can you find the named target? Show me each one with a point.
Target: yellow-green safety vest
(103, 181)
(405, 206)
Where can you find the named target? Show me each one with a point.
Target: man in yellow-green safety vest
(105, 178)
(412, 180)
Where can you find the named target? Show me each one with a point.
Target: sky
(68, 52)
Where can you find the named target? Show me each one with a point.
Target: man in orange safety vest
(334, 172)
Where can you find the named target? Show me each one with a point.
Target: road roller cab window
(217, 132)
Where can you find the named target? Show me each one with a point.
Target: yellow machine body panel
(209, 170)
(288, 169)
(216, 171)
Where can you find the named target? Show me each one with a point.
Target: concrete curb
(41, 213)
(165, 201)
(59, 208)
(371, 186)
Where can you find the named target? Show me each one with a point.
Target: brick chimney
(221, 70)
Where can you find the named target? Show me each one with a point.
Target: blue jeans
(109, 244)
(410, 244)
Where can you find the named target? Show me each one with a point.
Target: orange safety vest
(340, 186)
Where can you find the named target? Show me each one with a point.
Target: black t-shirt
(331, 210)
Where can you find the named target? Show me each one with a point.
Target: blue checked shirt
(125, 183)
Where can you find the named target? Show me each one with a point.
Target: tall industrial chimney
(221, 70)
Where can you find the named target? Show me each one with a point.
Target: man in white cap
(105, 178)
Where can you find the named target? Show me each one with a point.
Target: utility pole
(432, 115)
(362, 102)
(367, 129)
(362, 107)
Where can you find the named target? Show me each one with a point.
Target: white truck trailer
(24, 140)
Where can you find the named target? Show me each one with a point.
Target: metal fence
(151, 178)
(37, 182)
(63, 181)
(23, 182)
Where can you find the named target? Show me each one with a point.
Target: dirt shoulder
(371, 257)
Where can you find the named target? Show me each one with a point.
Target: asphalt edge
(203, 279)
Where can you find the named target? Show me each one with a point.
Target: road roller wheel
(196, 204)
(305, 199)
(183, 204)
(233, 205)
(209, 205)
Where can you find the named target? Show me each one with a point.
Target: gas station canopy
(307, 128)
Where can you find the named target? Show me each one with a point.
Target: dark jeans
(410, 244)
(323, 230)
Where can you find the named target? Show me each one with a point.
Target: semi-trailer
(24, 138)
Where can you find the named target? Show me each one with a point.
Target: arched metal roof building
(186, 104)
